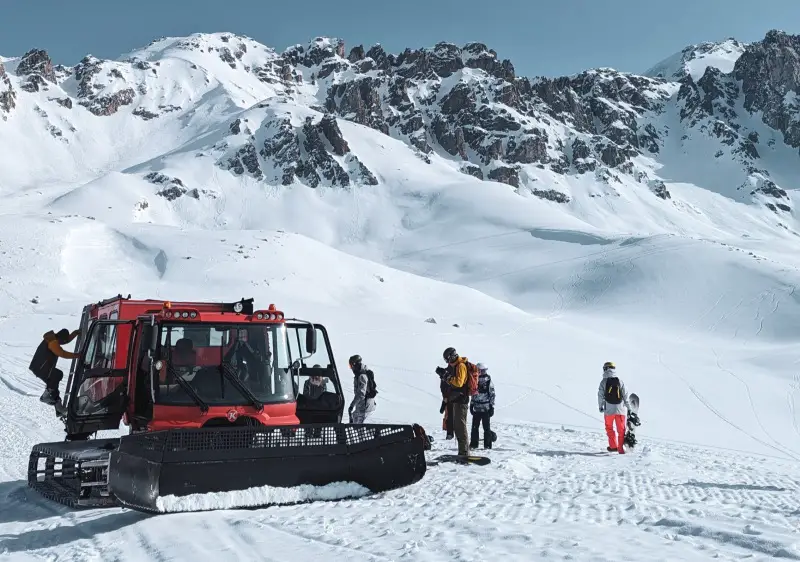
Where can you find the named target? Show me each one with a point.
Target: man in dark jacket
(43, 364)
(455, 375)
(482, 409)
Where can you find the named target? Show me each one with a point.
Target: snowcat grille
(180, 462)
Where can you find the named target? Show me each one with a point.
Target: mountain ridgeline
(732, 127)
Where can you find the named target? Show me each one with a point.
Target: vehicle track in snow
(547, 492)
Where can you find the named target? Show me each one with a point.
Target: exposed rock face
(315, 154)
(770, 75)
(173, 188)
(7, 94)
(99, 104)
(37, 69)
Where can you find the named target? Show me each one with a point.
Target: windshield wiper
(229, 373)
(187, 388)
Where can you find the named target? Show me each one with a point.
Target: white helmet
(481, 367)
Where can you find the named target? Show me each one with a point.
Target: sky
(541, 37)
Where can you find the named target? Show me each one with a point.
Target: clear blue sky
(541, 37)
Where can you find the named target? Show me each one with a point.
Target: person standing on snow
(612, 399)
(364, 391)
(482, 408)
(455, 375)
(44, 361)
(447, 410)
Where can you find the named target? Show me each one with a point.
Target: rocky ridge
(461, 104)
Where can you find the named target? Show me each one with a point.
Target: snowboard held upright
(633, 422)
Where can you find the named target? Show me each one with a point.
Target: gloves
(472, 409)
(441, 371)
(602, 410)
(444, 406)
(491, 411)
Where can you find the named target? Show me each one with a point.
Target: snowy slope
(250, 188)
(695, 59)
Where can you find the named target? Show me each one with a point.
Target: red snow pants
(619, 420)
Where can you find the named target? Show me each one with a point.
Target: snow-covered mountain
(725, 120)
(418, 200)
(695, 59)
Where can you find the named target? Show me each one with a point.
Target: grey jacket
(612, 409)
(361, 403)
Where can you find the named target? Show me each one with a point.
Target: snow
(694, 299)
(260, 496)
(695, 59)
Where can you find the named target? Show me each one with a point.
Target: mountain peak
(695, 59)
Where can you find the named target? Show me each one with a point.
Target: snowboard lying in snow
(472, 459)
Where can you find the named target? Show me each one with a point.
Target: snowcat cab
(213, 395)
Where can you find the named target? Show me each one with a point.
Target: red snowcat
(215, 399)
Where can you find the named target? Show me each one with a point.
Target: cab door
(97, 393)
(314, 359)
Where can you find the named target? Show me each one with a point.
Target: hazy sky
(541, 37)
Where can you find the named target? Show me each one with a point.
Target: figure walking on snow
(612, 399)
(364, 391)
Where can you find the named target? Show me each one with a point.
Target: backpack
(471, 385)
(613, 394)
(372, 388)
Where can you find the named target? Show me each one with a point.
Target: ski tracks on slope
(547, 493)
(775, 301)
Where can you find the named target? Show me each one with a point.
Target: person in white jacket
(612, 399)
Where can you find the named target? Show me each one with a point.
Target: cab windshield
(222, 365)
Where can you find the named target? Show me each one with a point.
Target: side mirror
(153, 338)
(311, 340)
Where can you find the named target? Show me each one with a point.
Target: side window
(102, 350)
(217, 337)
(294, 343)
(175, 333)
(297, 347)
(321, 356)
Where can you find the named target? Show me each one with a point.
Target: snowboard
(633, 421)
(472, 459)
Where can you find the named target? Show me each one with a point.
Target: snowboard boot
(61, 410)
(450, 435)
(611, 449)
(487, 445)
(473, 444)
(621, 450)
(50, 397)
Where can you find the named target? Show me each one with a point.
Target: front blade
(150, 471)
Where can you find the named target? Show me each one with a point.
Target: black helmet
(355, 360)
(450, 354)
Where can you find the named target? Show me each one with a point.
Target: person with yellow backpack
(612, 399)
(461, 383)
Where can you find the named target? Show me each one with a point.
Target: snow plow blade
(162, 471)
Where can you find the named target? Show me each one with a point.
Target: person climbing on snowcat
(44, 361)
